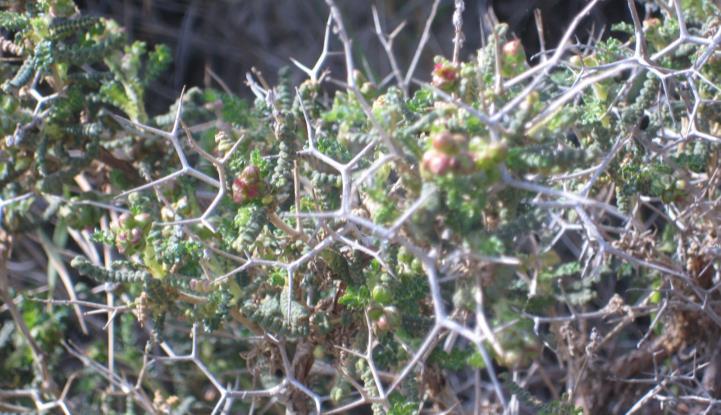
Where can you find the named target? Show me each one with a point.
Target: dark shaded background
(231, 36)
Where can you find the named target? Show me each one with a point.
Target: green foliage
(480, 200)
(100, 274)
(399, 406)
(454, 360)
(355, 298)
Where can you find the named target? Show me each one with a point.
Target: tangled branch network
(507, 238)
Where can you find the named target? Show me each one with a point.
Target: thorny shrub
(504, 238)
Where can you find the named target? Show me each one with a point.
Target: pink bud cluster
(248, 185)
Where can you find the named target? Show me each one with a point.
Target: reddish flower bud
(124, 219)
(512, 48)
(251, 191)
(514, 58)
(121, 241)
(444, 75)
(245, 189)
(444, 142)
(251, 172)
(651, 23)
(446, 72)
(382, 324)
(135, 236)
(239, 190)
(455, 164)
(436, 162)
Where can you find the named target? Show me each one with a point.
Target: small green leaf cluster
(345, 228)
